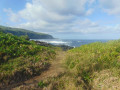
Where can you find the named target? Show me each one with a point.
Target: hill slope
(21, 59)
(20, 32)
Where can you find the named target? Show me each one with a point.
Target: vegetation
(41, 84)
(21, 59)
(21, 32)
(94, 66)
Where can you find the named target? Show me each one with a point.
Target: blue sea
(69, 42)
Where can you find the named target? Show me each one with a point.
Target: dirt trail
(56, 68)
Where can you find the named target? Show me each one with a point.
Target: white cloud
(111, 6)
(66, 7)
(51, 15)
(76, 27)
(60, 16)
(13, 17)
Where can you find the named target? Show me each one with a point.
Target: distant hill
(20, 32)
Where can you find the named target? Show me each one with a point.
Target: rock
(64, 47)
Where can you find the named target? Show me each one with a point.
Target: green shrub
(18, 55)
(41, 84)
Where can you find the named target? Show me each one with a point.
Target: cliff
(20, 32)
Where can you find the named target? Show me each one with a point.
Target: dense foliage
(20, 32)
(18, 55)
(89, 61)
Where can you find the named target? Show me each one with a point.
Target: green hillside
(21, 59)
(20, 32)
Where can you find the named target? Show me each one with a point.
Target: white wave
(57, 42)
(54, 41)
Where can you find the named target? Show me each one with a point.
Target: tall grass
(86, 60)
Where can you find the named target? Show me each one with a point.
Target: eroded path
(56, 68)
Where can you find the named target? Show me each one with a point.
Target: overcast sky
(68, 19)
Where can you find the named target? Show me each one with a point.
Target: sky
(65, 19)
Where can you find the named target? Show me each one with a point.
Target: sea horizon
(72, 42)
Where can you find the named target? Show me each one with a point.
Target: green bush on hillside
(12, 46)
(19, 56)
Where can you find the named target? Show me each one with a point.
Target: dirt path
(55, 69)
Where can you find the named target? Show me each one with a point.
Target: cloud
(51, 15)
(13, 17)
(64, 7)
(53, 10)
(76, 27)
(110, 6)
(60, 16)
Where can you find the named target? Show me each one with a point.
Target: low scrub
(89, 60)
(95, 66)
(21, 59)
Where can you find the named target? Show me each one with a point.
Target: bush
(19, 56)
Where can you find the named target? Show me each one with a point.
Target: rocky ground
(64, 47)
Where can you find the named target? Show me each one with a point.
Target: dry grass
(106, 80)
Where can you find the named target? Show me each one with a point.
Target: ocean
(69, 42)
